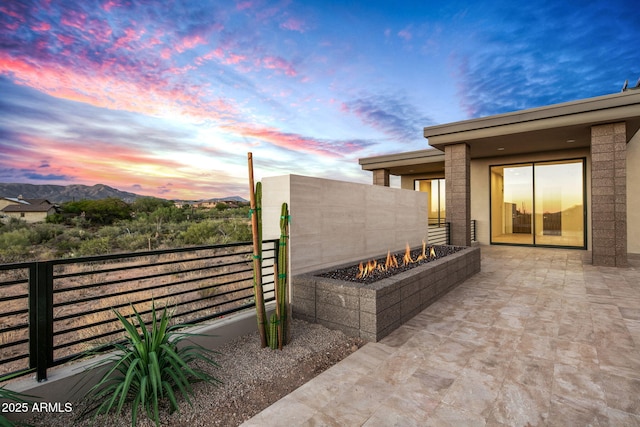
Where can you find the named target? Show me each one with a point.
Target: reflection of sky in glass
(518, 187)
(559, 186)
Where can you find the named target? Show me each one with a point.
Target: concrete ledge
(372, 311)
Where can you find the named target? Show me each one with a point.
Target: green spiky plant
(14, 396)
(153, 364)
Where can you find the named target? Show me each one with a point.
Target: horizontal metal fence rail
(54, 311)
(439, 233)
(474, 237)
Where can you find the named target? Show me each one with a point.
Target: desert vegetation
(201, 282)
(96, 227)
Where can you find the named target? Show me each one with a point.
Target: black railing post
(44, 319)
(33, 315)
(448, 227)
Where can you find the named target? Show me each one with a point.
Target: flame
(391, 261)
(423, 254)
(368, 267)
(406, 259)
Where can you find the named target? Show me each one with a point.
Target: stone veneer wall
(373, 311)
(457, 175)
(609, 194)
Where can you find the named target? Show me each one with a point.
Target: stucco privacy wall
(335, 222)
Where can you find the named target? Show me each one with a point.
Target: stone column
(457, 175)
(609, 194)
(381, 177)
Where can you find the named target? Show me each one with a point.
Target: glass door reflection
(512, 204)
(539, 203)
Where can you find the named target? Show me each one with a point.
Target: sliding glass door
(540, 203)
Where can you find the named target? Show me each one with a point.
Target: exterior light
(500, 148)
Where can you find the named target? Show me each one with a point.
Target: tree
(149, 204)
(99, 212)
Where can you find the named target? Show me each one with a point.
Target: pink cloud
(280, 64)
(4, 9)
(293, 24)
(103, 86)
(110, 4)
(295, 142)
(405, 34)
(189, 42)
(243, 5)
(41, 26)
(75, 19)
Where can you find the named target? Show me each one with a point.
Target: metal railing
(474, 237)
(439, 233)
(54, 311)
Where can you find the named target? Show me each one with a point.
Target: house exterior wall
(633, 195)
(336, 222)
(30, 217)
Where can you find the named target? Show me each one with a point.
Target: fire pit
(373, 305)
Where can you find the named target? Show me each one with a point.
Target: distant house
(29, 210)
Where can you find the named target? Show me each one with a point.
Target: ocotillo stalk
(257, 258)
(282, 275)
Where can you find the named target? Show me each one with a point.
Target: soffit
(413, 162)
(556, 127)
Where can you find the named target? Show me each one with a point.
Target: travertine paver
(540, 337)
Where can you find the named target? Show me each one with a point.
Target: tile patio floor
(538, 338)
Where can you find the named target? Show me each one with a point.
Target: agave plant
(153, 364)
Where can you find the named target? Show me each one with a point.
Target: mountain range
(66, 193)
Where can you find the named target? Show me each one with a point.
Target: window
(540, 203)
(436, 190)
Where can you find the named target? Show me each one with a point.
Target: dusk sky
(165, 98)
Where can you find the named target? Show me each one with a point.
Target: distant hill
(65, 193)
(227, 199)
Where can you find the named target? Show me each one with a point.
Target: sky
(165, 98)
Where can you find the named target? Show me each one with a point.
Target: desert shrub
(44, 232)
(132, 242)
(199, 233)
(18, 238)
(65, 243)
(55, 219)
(97, 246)
(235, 230)
(14, 224)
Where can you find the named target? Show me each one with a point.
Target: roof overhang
(555, 127)
(408, 163)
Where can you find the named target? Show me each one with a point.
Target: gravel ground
(252, 379)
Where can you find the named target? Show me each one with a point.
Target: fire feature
(365, 269)
(371, 308)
